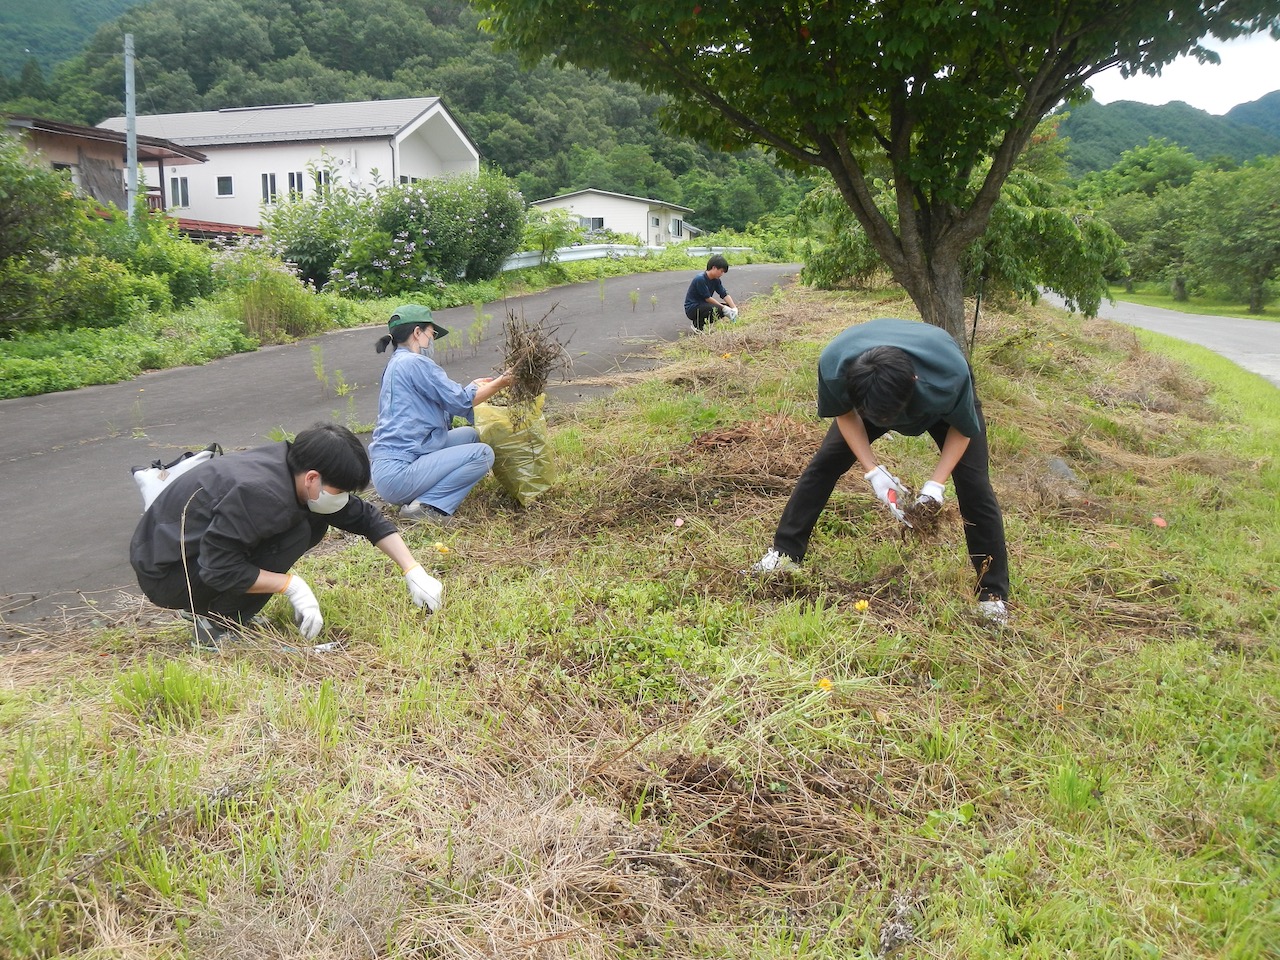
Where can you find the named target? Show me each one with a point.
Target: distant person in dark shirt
(220, 539)
(707, 300)
(912, 378)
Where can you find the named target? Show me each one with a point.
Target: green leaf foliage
(551, 130)
(935, 91)
(433, 232)
(1238, 241)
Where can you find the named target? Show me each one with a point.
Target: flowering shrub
(312, 232)
(427, 234)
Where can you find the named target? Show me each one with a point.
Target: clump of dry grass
(532, 354)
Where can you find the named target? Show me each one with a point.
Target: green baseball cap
(415, 313)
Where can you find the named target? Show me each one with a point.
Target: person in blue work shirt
(419, 459)
(911, 378)
(707, 300)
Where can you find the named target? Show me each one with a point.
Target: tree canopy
(925, 91)
(551, 130)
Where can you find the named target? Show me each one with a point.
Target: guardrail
(597, 251)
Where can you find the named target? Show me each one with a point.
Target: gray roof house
(258, 155)
(655, 222)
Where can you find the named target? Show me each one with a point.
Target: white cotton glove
(731, 313)
(887, 488)
(930, 494)
(424, 589)
(306, 608)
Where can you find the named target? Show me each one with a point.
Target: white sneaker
(994, 612)
(413, 511)
(775, 562)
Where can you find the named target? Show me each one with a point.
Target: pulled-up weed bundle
(533, 352)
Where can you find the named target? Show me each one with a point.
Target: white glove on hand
(424, 589)
(731, 313)
(887, 488)
(306, 608)
(931, 491)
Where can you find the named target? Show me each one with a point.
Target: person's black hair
(717, 260)
(335, 452)
(398, 335)
(880, 383)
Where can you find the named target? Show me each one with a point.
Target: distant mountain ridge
(50, 31)
(476, 81)
(1100, 133)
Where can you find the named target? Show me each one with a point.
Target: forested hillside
(551, 130)
(1100, 133)
(1263, 113)
(50, 31)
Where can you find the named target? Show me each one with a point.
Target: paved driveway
(1252, 344)
(69, 505)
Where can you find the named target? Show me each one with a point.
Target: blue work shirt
(416, 407)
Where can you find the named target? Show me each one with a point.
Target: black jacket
(218, 513)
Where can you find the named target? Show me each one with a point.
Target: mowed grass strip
(611, 743)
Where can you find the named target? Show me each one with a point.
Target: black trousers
(983, 522)
(175, 591)
(703, 314)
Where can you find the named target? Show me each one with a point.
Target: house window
(295, 183)
(268, 188)
(179, 192)
(677, 228)
(591, 223)
(226, 187)
(323, 179)
(655, 222)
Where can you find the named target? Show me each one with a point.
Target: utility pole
(131, 129)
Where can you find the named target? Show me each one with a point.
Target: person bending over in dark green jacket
(912, 378)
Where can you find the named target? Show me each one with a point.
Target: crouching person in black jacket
(220, 539)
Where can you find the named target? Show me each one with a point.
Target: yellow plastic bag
(521, 452)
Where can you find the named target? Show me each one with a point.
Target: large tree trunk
(938, 293)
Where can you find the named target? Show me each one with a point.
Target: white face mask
(328, 502)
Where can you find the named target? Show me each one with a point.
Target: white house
(257, 155)
(655, 222)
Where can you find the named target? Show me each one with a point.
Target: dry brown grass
(544, 825)
(533, 353)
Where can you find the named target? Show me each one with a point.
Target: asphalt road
(70, 504)
(1251, 344)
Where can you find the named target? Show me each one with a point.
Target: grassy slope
(1153, 296)
(611, 744)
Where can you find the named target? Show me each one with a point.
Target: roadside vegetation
(1159, 295)
(612, 744)
(86, 298)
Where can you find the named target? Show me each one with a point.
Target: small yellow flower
(440, 547)
(824, 683)
(861, 606)
(726, 356)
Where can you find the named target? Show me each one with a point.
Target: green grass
(612, 744)
(1152, 295)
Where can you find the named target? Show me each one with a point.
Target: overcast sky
(1250, 68)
